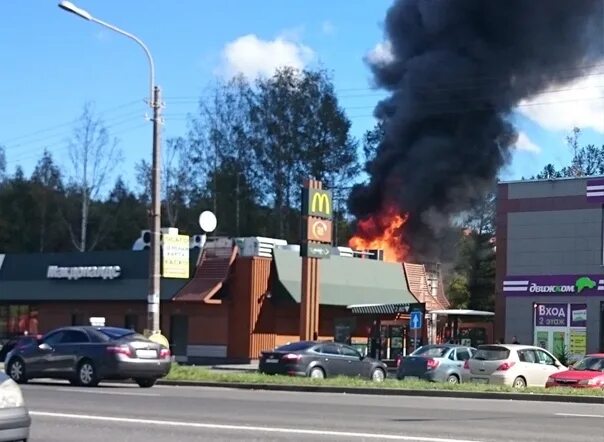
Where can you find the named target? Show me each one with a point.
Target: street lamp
(154, 101)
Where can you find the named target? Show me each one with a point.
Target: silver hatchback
(437, 363)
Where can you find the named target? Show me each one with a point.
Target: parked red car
(587, 373)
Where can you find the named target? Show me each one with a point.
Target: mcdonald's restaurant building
(225, 299)
(240, 297)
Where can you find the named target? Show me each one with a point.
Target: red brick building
(231, 308)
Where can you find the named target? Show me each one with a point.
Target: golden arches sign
(318, 202)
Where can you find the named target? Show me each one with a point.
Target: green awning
(344, 281)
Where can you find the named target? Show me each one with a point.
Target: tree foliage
(93, 155)
(586, 160)
(248, 147)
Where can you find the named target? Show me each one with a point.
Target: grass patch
(202, 374)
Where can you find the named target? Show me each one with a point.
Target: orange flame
(382, 231)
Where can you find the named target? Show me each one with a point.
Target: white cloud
(328, 28)
(381, 53)
(563, 107)
(525, 144)
(253, 57)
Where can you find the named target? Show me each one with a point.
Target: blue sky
(53, 62)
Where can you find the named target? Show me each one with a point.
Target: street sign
(415, 320)
(320, 251)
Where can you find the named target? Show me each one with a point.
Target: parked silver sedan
(14, 417)
(438, 363)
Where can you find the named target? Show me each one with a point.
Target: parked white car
(517, 366)
(14, 417)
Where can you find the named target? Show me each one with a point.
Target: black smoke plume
(457, 70)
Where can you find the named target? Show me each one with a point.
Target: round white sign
(207, 221)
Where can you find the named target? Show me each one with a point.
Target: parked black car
(319, 360)
(86, 355)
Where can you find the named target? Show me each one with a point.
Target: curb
(390, 391)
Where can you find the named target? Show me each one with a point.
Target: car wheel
(16, 370)
(317, 373)
(86, 375)
(452, 379)
(519, 383)
(378, 375)
(145, 382)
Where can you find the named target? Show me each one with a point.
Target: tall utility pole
(153, 296)
(154, 257)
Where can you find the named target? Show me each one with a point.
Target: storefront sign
(175, 256)
(104, 272)
(551, 315)
(578, 315)
(578, 342)
(317, 202)
(594, 190)
(554, 285)
(317, 229)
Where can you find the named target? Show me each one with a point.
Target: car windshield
(590, 363)
(295, 346)
(431, 351)
(492, 353)
(119, 333)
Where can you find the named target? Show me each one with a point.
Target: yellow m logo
(320, 203)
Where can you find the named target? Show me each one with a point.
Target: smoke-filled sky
(454, 71)
(48, 74)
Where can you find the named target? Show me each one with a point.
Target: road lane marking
(67, 389)
(580, 415)
(248, 428)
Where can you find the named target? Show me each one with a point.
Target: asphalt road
(124, 413)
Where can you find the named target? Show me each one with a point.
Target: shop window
(18, 319)
(131, 322)
(78, 319)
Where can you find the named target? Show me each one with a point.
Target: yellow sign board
(578, 342)
(175, 256)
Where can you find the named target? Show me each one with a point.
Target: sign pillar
(316, 240)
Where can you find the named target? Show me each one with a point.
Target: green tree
(220, 139)
(586, 160)
(2, 164)
(371, 141)
(18, 233)
(299, 130)
(177, 181)
(93, 156)
(128, 216)
(472, 284)
(48, 192)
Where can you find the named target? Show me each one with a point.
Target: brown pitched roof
(441, 297)
(212, 270)
(418, 285)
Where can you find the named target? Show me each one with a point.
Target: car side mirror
(44, 346)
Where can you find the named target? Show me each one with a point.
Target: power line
(60, 147)
(69, 123)
(471, 82)
(64, 135)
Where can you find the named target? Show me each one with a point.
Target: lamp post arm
(147, 52)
